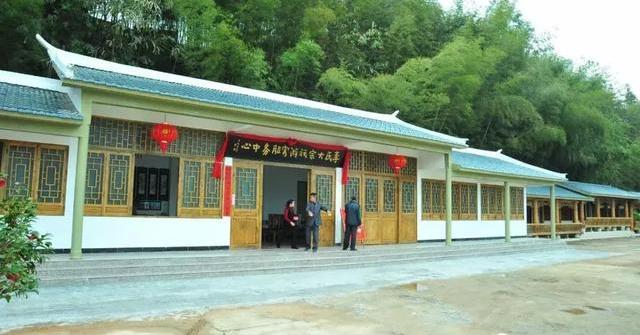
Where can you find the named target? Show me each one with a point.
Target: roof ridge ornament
(395, 114)
(64, 70)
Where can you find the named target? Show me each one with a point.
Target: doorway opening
(155, 186)
(280, 184)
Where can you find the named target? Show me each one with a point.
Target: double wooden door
(389, 209)
(246, 220)
(380, 214)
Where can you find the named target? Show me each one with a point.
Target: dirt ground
(599, 296)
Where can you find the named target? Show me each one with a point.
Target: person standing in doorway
(354, 220)
(313, 221)
(291, 220)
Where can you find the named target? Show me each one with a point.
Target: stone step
(236, 256)
(590, 235)
(189, 264)
(180, 272)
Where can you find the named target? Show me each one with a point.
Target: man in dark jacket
(354, 220)
(314, 220)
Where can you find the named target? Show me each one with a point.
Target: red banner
(276, 149)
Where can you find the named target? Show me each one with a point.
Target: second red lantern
(164, 134)
(397, 163)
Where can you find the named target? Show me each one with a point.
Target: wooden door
(408, 222)
(322, 182)
(372, 209)
(389, 213)
(246, 220)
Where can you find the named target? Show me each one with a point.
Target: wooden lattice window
(356, 163)
(517, 203)
(371, 195)
(433, 199)
(21, 165)
(378, 163)
(389, 196)
(94, 185)
(191, 171)
(408, 197)
(134, 136)
(199, 193)
(113, 144)
(465, 201)
(119, 176)
(492, 202)
(212, 189)
(37, 171)
(50, 178)
(246, 188)
(324, 190)
(109, 183)
(455, 201)
(352, 189)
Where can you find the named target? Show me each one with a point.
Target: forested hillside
(485, 76)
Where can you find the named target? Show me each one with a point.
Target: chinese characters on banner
(289, 151)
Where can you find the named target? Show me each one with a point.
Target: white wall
(431, 166)
(143, 232)
(59, 227)
(435, 230)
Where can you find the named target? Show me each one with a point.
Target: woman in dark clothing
(291, 220)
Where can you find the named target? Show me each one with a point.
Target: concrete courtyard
(591, 288)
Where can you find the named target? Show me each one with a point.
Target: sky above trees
(485, 75)
(585, 31)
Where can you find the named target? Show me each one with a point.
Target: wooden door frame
(240, 163)
(396, 197)
(315, 170)
(401, 213)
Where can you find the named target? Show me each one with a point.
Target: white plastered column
(336, 211)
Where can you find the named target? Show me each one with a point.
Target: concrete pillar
(479, 203)
(507, 211)
(552, 210)
(535, 213)
(80, 180)
(448, 195)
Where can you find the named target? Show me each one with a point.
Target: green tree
(300, 67)
(20, 20)
(225, 57)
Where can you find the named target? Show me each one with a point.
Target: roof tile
(37, 101)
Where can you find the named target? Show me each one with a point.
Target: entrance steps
(590, 235)
(60, 270)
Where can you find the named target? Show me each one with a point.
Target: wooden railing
(542, 229)
(609, 222)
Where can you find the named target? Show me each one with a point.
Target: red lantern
(397, 163)
(3, 182)
(164, 134)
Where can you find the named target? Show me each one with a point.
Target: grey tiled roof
(483, 164)
(232, 99)
(561, 193)
(37, 102)
(598, 190)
